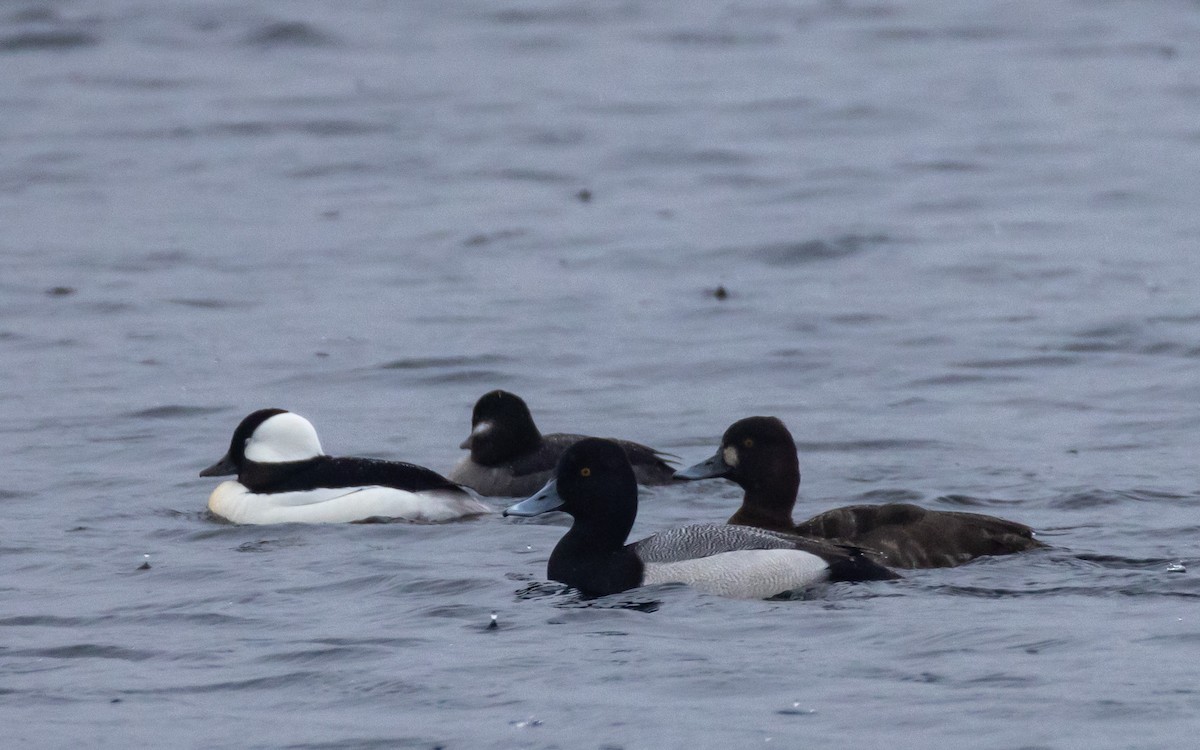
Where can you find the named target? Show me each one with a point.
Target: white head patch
(283, 437)
(482, 428)
(730, 455)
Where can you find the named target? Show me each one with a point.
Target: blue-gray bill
(543, 501)
(710, 469)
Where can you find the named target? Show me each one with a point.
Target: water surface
(959, 251)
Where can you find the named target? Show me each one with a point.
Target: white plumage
(745, 574)
(233, 501)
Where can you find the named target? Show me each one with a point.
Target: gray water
(959, 242)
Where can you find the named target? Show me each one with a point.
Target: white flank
(745, 574)
(283, 437)
(233, 502)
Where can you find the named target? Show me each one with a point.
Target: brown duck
(759, 454)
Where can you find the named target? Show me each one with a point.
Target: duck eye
(585, 472)
(748, 442)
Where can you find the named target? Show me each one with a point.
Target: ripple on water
(289, 34)
(1041, 360)
(54, 40)
(334, 656)
(968, 501)
(370, 743)
(1085, 499)
(285, 681)
(808, 251)
(717, 38)
(855, 446)
(208, 303)
(961, 379)
(438, 363)
(173, 411)
(87, 651)
(1127, 337)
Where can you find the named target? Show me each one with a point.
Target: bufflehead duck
(595, 484)
(510, 458)
(285, 477)
(759, 454)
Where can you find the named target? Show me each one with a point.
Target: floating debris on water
(493, 625)
(1177, 567)
(145, 563)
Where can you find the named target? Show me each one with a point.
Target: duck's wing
(703, 540)
(908, 536)
(545, 457)
(650, 466)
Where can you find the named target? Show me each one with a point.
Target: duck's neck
(595, 567)
(770, 494)
(763, 519)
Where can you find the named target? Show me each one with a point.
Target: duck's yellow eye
(585, 472)
(748, 442)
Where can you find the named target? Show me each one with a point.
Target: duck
(511, 458)
(595, 484)
(759, 454)
(284, 476)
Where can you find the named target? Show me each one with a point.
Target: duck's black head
(501, 428)
(755, 452)
(595, 484)
(267, 436)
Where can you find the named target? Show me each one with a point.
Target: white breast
(745, 574)
(233, 502)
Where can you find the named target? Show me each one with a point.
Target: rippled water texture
(956, 251)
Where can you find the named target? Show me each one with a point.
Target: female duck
(285, 477)
(759, 454)
(595, 484)
(510, 458)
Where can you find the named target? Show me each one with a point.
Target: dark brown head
(759, 454)
(501, 428)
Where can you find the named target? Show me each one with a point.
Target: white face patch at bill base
(730, 455)
(744, 574)
(482, 428)
(283, 437)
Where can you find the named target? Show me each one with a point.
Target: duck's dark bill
(710, 469)
(222, 468)
(546, 500)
